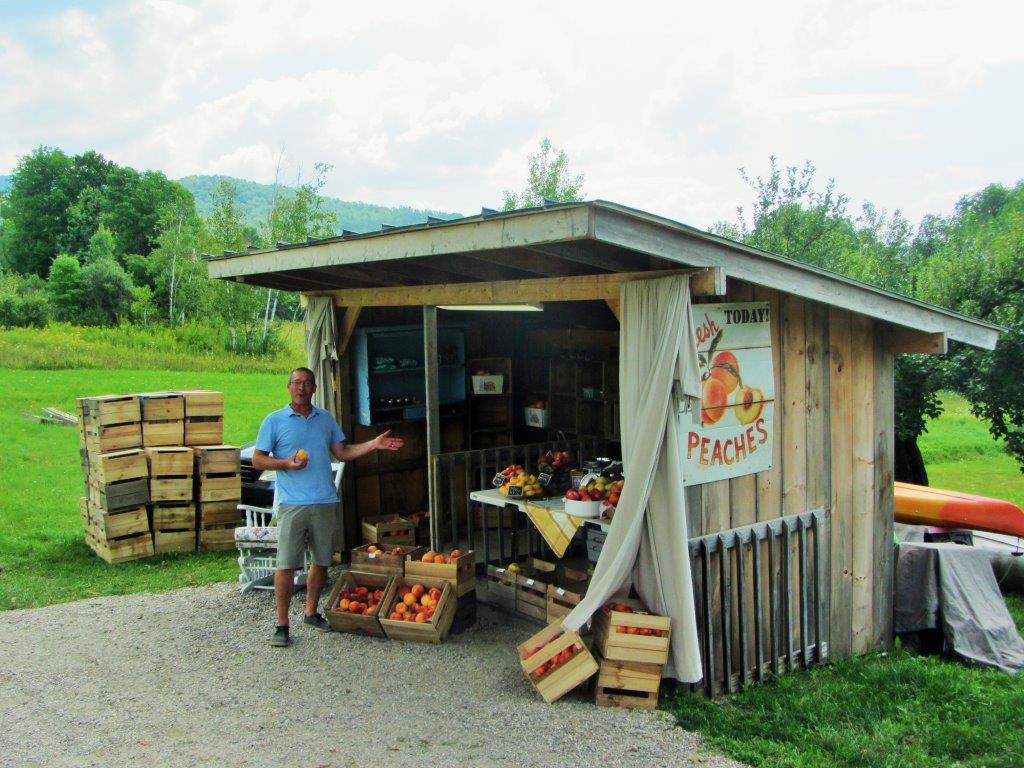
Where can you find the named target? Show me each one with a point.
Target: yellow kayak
(921, 505)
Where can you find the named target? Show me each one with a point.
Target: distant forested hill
(255, 201)
(5, 183)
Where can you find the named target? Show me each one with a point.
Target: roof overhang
(567, 240)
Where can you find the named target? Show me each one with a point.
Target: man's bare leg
(284, 586)
(314, 586)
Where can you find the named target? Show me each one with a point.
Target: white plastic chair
(256, 542)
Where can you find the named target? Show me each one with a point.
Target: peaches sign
(733, 434)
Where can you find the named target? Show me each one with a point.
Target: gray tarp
(953, 586)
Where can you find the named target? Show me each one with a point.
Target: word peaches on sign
(727, 451)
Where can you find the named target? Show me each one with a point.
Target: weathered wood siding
(833, 448)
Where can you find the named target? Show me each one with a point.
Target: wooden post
(430, 365)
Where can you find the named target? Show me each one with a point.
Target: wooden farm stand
(792, 565)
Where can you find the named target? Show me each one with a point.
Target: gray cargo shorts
(305, 525)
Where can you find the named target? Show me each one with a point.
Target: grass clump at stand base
(873, 711)
(43, 555)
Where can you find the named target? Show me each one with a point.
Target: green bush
(23, 301)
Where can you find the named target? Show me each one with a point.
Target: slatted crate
(124, 549)
(118, 480)
(174, 527)
(532, 588)
(465, 613)
(217, 459)
(388, 530)
(108, 409)
(360, 624)
(216, 523)
(204, 416)
(460, 573)
(436, 629)
(219, 487)
(385, 563)
(163, 418)
(501, 587)
(170, 474)
(103, 438)
(639, 636)
(627, 684)
(118, 536)
(562, 597)
(538, 652)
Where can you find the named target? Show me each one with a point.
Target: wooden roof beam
(532, 262)
(920, 342)
(703, 282)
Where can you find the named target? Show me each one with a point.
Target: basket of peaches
(354, 602)
(420, 609)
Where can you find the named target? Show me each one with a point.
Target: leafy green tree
(133, 203)
(107, 293)
(143, 309)
(83, 220)
(101, 246)
(23, 301)
(548, 177)
(64, 287)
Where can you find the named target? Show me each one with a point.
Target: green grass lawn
(961, 455)
(43, 556)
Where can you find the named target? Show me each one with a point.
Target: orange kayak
(921, 505)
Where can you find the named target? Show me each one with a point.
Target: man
(298, 442)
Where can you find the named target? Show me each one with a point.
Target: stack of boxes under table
(116, 478)
(631, 648)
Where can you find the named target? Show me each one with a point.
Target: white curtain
(322, 348)
(647, 540)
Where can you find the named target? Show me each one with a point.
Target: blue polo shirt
(282, 433)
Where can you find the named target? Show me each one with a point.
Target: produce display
(517, 477)
(415, 603)
(440, 557)
(559, 658)
(553, 461)
(360, 600)
(628, 630)
(373, 549)
(598, 489)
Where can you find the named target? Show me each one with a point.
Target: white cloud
(657, 104)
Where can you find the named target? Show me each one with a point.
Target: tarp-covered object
(953, 586)
(647, 540)
(322, 348)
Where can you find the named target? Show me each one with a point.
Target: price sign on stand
(515, 491)
(544, 479)
(498, 481)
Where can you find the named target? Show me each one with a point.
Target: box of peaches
(419, 609)
(624, 631)
(556, 661)
(456, 568)
(354, 602)
(387, 560)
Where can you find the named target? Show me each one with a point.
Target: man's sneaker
(317, 621)
(280, 638)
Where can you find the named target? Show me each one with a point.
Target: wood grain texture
(794, 411)
(769, 482)
(883, 558)
(863, 512)
(841, 470)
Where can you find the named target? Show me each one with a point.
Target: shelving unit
(581, 395)
(491, 420)
(389, 373)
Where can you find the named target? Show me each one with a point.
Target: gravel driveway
(187, 678)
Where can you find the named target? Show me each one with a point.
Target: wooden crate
(173, 541)
(170, 432)
(622, 645)
(162, 406)
(388, 530)
(116, 466)
(124, 549)
(170, 489)
(460, 573)
(173, 517)
(116, 525)
(83, 508)
(217, 459)
(218, 487)
(501, 587)
(112, 497)
(382, 562)
(465, 613)
(532, 588)
(433, 631)
(554, 683)
(562, 597)
(627, 684)
(218, 514)
(108, 409)
(202, 402)
(165, 461)
(342, 621)
(103, 438)
(216, 539)
(204, 430)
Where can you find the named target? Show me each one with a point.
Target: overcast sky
(907, 104)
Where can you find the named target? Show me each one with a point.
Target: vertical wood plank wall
(833, 437)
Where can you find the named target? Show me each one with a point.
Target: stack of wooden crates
(148, 469)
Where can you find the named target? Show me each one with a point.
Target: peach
(456, 553)
(726, 368)
(409, 598)
(748, 404)
(435, 594)
(418, 590)
(714, 399)
(395, 616)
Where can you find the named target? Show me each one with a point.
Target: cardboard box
(536, 417)
(488, 385)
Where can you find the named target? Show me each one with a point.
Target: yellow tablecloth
(557, 528)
